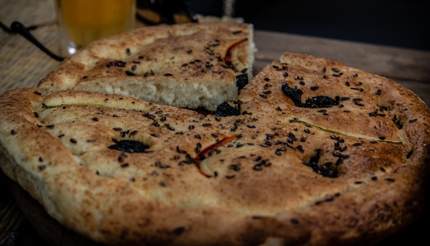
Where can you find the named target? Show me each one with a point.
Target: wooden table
(23, 65)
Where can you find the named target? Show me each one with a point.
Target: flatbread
(320, 153)
(190, 65)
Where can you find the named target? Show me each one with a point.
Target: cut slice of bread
(191, 65)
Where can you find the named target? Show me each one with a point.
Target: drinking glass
(82, 21)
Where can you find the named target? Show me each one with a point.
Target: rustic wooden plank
(28, 12)
(22, 64)
(397, 63)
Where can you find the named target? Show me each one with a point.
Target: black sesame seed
(198, 148)
(73, 141)
(234, 167)
(294, 221)
(179, 230)
(124, 165)
(358, 102)
(129, 73)
(113, 64)
(161, 165)
(300, 149)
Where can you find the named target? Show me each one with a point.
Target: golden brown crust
(281, 172)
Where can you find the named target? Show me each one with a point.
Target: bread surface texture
(320, 152)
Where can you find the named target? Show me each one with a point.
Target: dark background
(396, 23)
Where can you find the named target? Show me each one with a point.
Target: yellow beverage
(83, 21)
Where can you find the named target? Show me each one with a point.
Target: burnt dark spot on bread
(294, 221)
(130, 73)
(241, 80)
(397, 121)
(228, 109)
(409, 154)
(129, 146)
(328, 169)
(313, 102)
(179, 230)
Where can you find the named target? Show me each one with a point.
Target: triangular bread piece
(189, 65)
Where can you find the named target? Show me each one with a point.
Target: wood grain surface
(23, 65)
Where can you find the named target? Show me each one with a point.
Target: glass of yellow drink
(82, 21)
